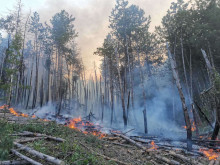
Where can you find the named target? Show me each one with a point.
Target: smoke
(92, 20)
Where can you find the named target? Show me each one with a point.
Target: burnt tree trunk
(185, 111)
(216, 94)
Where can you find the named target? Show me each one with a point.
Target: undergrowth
(70, 151)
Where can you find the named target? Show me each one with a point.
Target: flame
(154, 146)
(79, 125)
(12, 111)
(210, 154)
(75, 123)
(193, 127)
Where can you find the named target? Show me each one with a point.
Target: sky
(91, 19)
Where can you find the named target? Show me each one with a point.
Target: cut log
(14, 162)
(30, 134)
(48, 137)
(123, 145)
(130, 140)
(129, 131)
(111, 138)
(25, 157)
(185, 159)
(166, 160)
(29, 140)
(39, 154)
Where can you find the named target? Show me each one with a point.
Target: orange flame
(193, 127)
(154, 146)
(76, 123)
(210, 154)
(79, 125)
(12, 111)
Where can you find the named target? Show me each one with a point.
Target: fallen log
(111, 138)
(29, 140)
(185, 159)
(39, 154)
(166, 160)
(33, 162)
(130, 140)
(129, 131)
(30, 134)
(123, 145)
(203, 114)
(14, 162)
(47, 136)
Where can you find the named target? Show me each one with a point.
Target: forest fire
(210, 154)
(154, 146)
(77, 123)
(193, 127)
(86, 127)
(12, 111)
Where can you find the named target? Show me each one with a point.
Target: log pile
(165, 151)
(31, 137)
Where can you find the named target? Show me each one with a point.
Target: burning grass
(12, 111)
(71, 151)
(86, 127)
(77, 123)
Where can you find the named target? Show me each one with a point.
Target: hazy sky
(91, 19)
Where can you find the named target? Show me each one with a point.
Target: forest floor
(78, 148)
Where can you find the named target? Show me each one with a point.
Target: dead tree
(121, 90)
(143, 92)
(187, 87)
(216, 93)
(185, 111)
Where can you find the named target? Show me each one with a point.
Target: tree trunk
(185, 111)
(216, 96)
(121, 90)
(39, 154)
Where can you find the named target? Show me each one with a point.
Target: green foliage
(6, 142)
(62, 28)
(70, 151)
(12, 63)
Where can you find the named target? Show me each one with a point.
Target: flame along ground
(154, 146)
(211, 154)
(79, 125)
(75, 123)
(12, 111)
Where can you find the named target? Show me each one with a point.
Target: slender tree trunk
(185, 111)
(121, 90)
(141, 73)
(216, 95)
